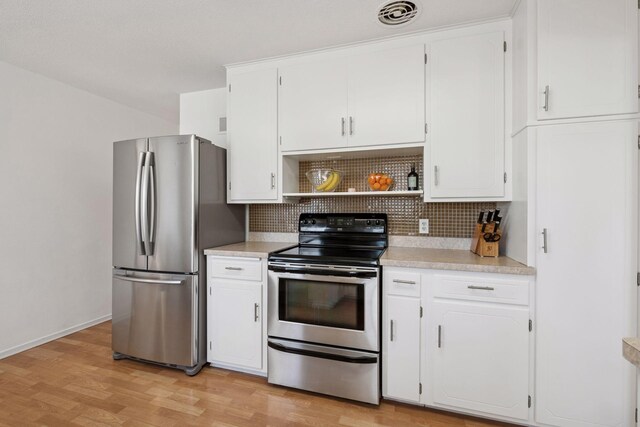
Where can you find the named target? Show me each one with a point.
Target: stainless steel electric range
(324, 307)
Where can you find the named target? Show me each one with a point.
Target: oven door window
(330, 304)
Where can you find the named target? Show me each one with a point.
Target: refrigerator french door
(169, 203)
(157, 316)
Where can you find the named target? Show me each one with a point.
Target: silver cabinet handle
(256, 308)
(342, 120)
(273, 180)
(439, 336)
(404, 282)
(233, 268)
(138, 198)
(435, 175)
(544, 240)
(351, 125)
(391, 331)
(545, 107)
(482, 288)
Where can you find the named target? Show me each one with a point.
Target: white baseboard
(39, 341)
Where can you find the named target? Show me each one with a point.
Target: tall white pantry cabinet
(574, 214)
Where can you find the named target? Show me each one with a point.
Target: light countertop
(434, 259)
(631, 350)
(451, 259)
(249, 249)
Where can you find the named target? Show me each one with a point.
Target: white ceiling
(143, 53)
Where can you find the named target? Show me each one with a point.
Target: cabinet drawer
(236, 268)
(402, 283)
(481, 289)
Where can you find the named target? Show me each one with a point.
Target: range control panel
(343, 223)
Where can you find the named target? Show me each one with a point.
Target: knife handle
(481, 217)
(489, 216)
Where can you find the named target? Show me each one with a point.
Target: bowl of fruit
(324, 180)
(379, 181)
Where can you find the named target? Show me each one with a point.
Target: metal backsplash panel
(445, 219)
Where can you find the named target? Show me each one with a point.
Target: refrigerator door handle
(145, 204)
(152, 281)
(138, 218)
(152, 189)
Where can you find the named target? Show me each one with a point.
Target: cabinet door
(386, 97)
(585, 284)
(235, 323)
(481, 357)
(252, 135)
(313, 105)
(401, 347)
(587, 58)
(466, 154)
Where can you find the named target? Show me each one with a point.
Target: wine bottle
(412, 179)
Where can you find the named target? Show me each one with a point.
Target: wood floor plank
(75, 381)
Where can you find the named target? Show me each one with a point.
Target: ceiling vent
(397, 12)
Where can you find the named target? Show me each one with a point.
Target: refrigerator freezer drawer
(155, 317)
(337, 372)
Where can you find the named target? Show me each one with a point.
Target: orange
(376, 186)
(384, 187)
(372, 179)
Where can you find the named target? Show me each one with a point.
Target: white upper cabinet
(373, 98)
(313, 105)
(386, 97)
(252, 135)
(464, 157)
(586, 55)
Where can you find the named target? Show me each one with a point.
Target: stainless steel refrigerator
(169, 203)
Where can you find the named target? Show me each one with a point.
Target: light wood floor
(74, 381)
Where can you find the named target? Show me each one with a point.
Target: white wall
(55, 204)
(199, 114)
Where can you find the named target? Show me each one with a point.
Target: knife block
(483, 248)
(488, 249)
(475, 240)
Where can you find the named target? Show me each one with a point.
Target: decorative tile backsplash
(445, 219)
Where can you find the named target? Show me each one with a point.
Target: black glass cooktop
(343, 239)
(329, 255)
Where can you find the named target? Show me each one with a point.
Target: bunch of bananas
(329, 184)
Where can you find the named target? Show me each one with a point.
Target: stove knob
(368, 222)
(377, 222)
(313, 221)
(305, 222)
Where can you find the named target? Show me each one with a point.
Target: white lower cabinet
(235, 327)
(458, 341)
(481, 357)
(401, 337)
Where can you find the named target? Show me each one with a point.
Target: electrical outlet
(424, 226)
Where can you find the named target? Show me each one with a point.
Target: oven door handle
(322, 355)
(336, 273)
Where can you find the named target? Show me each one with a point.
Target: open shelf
(358, 193)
